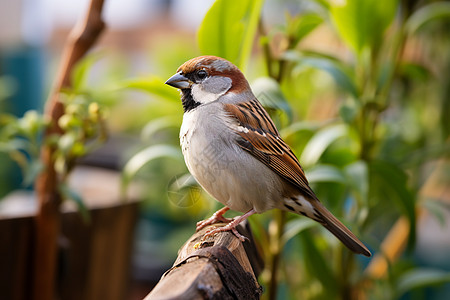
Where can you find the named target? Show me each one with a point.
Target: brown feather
(339, 230)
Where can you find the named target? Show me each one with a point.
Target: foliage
(82, 124)
(354, 113)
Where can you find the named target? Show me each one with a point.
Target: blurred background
(359, 89)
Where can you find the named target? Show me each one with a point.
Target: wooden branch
(219, 268)
(48, 223)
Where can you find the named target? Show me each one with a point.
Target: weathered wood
(94, 258)
(221, 267)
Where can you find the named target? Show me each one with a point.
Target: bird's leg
(231, 226)
(217, 217)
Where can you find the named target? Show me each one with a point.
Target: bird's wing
(259, 136)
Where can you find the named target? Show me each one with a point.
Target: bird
(234, 151)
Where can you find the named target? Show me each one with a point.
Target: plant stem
(276, 231)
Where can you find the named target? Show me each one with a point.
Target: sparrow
(234, 151)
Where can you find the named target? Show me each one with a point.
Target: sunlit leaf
(325, 173)
(32, 170)
(269, 93)
(144, 157)
(362, 23)
(420, 278)
(158, 124)
(332, 66)
(438, 209)
(151, 85)
(349, 111)
(358, 178)
(70, 194)
(228, 30)
(316, 264)
(389, 183)
(14, 144)
(320, 142)
(295, 226)
(428, 13)
(300, 26)
(297, 127)
(80, 71)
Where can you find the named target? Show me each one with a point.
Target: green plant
(356, 115)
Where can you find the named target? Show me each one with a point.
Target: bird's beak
(179, 81)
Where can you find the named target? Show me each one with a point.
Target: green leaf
(151, 85)
(332, 66)
(362, 24)
(358, 178)
(8, 87)
(228, 30)
(80, 71)
(389, 183)
(297, 127)
(158, 124)
(426, 14)
(420, 278)
(349, 111)
(70, 194)
(14, 145)
(300, 26)
(295, 226)
(325, 173)
(316, 264)
(144, 157)
(32, 170)
(437, 208)
(269, 93)
(320, 142)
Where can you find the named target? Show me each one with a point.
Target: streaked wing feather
(261, 139)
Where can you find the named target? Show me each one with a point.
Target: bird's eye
(201, 74)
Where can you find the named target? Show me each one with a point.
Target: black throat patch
(188, 100)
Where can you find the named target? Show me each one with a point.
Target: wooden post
(221, 267)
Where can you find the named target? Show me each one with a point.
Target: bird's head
(205, 79)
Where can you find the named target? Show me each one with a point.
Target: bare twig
(82, 37)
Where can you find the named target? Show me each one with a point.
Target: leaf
(70, 194)
(320, 142)
(297, 127)
(389, 183)
(325, 173)
(316, 264)
(358, 178)
(330, 65)
(300, 26)
(228, 30)
(295, 226)
(269, 93)
(420, 278)
(348, 111)
(32, 170)
(426, 14)
(437, 208)
(81, 69)
(151, 85)
(144, 157)
(362, 24)
(14, 144)
(158, 124)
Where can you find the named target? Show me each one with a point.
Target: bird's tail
(339, 230)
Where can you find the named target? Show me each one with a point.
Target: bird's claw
(216, 230)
